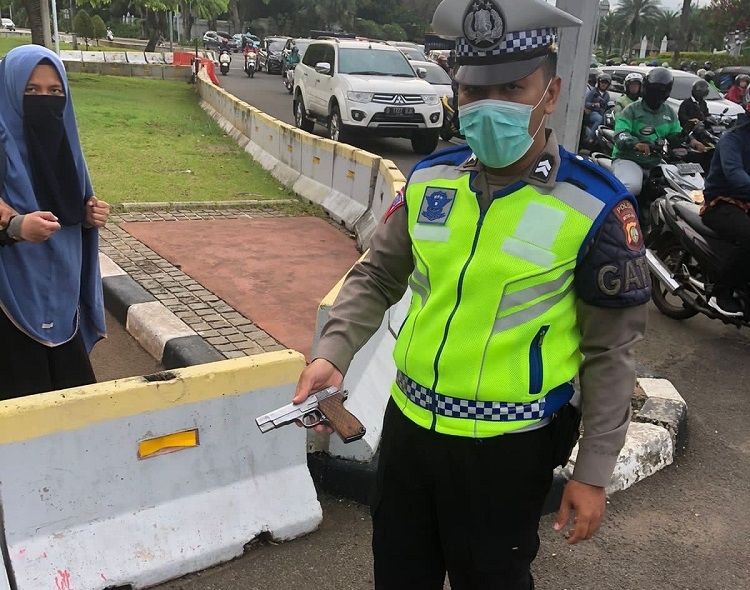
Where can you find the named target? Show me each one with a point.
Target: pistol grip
(346, 424)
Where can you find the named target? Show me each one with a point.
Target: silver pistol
(322, 407)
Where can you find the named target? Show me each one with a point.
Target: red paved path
(273, 271)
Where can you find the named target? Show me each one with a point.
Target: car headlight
(359, 96)
(430, 98)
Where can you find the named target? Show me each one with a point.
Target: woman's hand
(38, 226)
(97, 212)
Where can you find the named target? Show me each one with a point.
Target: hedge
(718, 60)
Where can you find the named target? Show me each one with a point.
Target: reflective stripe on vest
(495, 325)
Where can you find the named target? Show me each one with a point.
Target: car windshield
(276, 44)
(436, 75)
(374, 62)
(413, 53)
(683, 87)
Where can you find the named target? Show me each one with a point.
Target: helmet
(693, 65)
(684, 66)
(700, 90)
(665, 64)
(708, 65)
(709, 77)
(657, 87)
(701, 72)
(604, 77)
(629, 79)
(742, 78)
(593, 75)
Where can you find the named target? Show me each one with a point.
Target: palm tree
(637, 15)
(34, 12)
(666, 23)
(684, 29)
(610, 28)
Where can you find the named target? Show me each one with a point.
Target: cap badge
(484, 25)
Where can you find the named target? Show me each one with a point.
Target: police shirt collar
(542, 172)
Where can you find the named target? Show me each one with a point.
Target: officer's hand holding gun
(318, 403)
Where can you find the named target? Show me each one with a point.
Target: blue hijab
(50, 290)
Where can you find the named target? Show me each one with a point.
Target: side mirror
(323, 67)
(422, 73)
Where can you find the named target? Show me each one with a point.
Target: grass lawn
(148, 140)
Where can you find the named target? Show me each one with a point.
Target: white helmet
(632, 77)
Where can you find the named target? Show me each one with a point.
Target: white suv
(8, 24)
(359, 87)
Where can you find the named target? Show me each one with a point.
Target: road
(686, 528)
(267, 93)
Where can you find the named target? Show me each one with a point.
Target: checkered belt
(454, 407)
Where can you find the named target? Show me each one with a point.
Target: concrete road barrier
(138, 481)
(355, 187)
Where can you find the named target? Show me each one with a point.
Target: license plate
(690, 168)
(399, 110)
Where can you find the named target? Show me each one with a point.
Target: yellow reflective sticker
(169, 443)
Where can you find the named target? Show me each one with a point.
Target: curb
(655, 433)
(193, 205)
(160, 332)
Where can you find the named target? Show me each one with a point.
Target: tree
(636, 16)
(730, 15)
(99, 29)
(370, 29)
(208, 9)
(610, 31)
(394, 33)
(666, 23)
(34, 12)
(83, 26)
(682, 38)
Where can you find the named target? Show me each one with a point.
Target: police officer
(527, 268)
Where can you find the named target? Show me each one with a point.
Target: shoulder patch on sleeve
(614, 272)
(397, 203)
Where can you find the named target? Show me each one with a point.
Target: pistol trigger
(312, 419)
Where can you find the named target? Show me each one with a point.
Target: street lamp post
(603, 11)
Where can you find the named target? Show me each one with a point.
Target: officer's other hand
(318, 375)
(643, 148)
(587, 503)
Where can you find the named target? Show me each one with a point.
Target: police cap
(499, 41)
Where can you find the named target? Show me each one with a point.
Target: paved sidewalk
(201, 305)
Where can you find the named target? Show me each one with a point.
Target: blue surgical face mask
(497, 131)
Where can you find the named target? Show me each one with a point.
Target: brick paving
(222, 326)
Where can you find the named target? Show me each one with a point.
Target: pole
(72, 18)
(55, 27)
(573, 67)
(171, 32)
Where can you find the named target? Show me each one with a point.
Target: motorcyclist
(641, 125)
(710, 77)
(727, 212)
(738, 92)
(708, 66)
(293, 58)
(632, 84)
(695, 109)
(597, 101)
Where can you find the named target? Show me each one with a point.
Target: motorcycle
(225, 58)
(603, 139)
(672, 178)
(684, 259)
(288, 78)
(450, 127)
(251, 64)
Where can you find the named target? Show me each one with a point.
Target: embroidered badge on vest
(436, 205)
(397, 203)
(625, 212)
(543, 167)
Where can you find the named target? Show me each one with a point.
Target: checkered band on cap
(512, 45)
(454, 407)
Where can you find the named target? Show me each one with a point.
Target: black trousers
(28, 367)
(467, 507)
(733, 224)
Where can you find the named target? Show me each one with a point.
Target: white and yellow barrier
(355, 187)
(135, 482)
